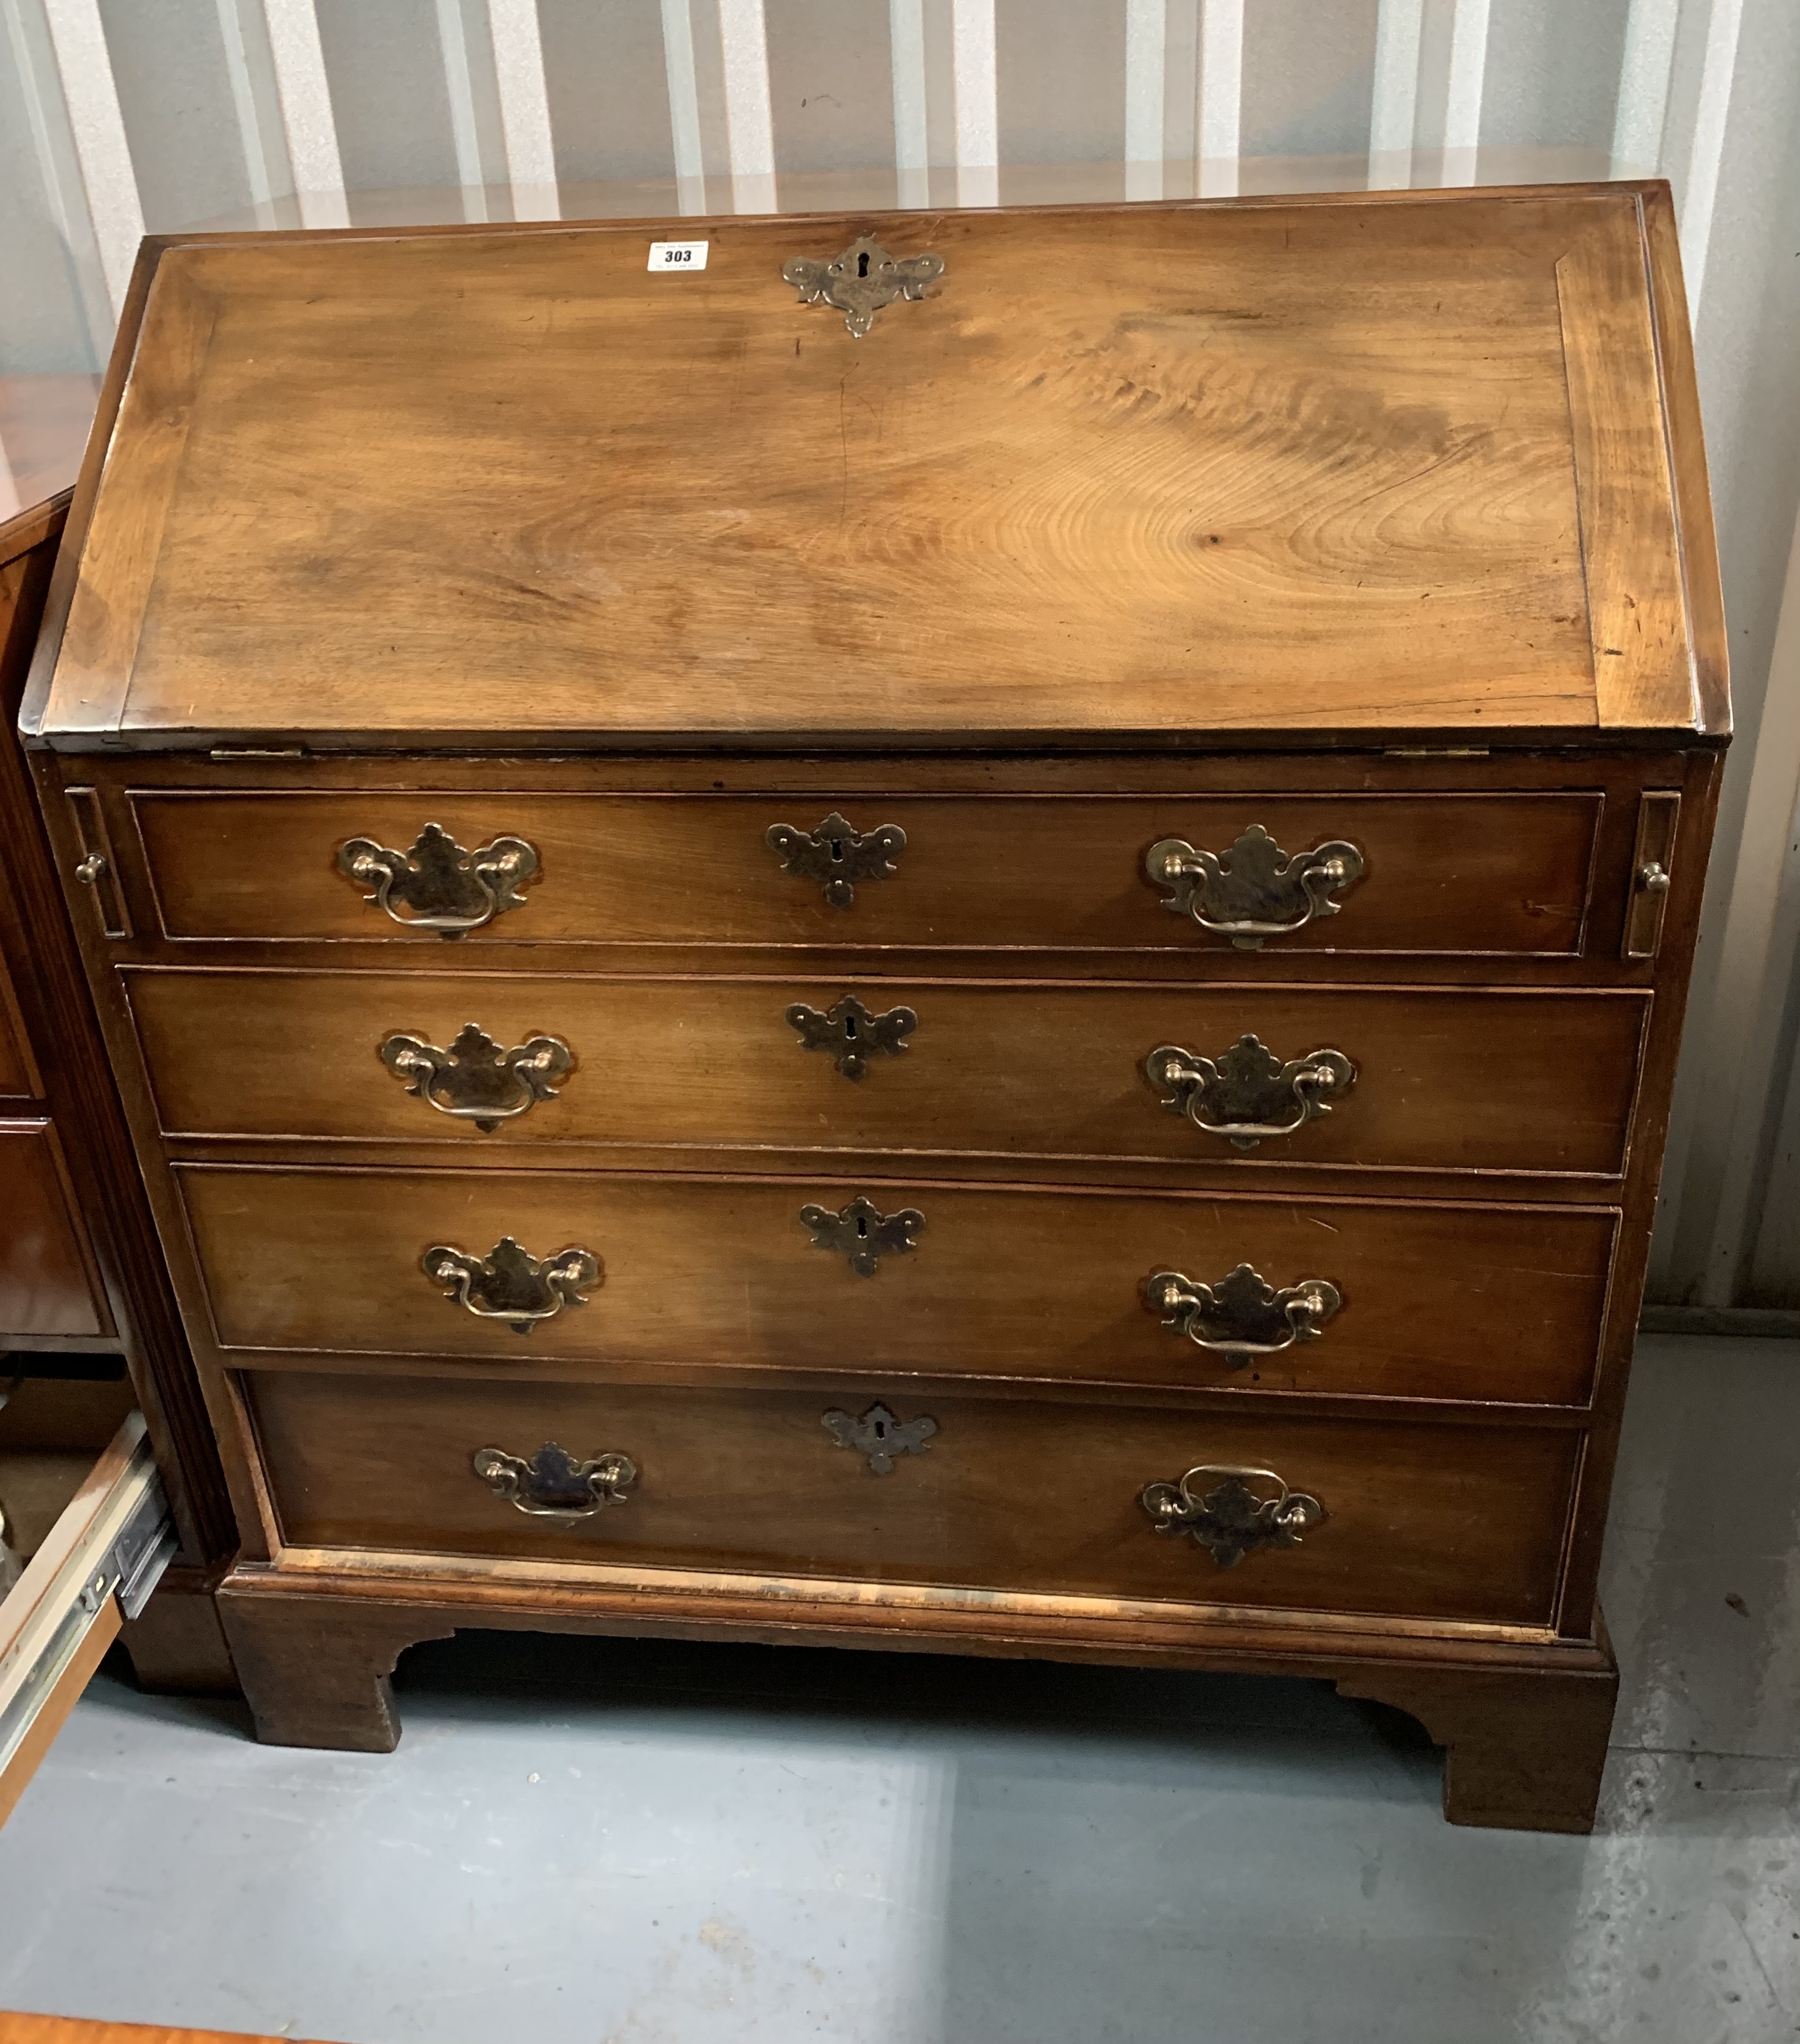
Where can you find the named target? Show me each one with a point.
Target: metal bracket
(851, 1034)
(1243, 1316)
(861, 281)
(861, 1232)
(452, 890)
(1254, 890)
(510, 1285)
(130, 1539)
(838, 854)
(1247, 1094)
(475, 1080)
(879, 1435)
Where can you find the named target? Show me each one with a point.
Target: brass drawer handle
(838, 854)
(552, 1484)
(474, 1080)
(862, 1232)
(1249, 1092)
(507, 1284)
(851, 1034)
(1256, 890)
(449, 890)
(1243, 1314)
(1230, 1520)
(879, 1435)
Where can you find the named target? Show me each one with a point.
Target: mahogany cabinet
(82, 1272)
(967, 934)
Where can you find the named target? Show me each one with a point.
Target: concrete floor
(580, 1843)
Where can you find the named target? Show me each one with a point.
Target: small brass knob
(1652, 877)
(90, 869)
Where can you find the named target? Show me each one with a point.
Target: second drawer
(1402, 1300)
(1256, 1079)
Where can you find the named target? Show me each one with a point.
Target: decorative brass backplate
(862, 281)
(838, 855)
(552, 1484)
(507, 1284)
(879, 1435)
(474, 1080)
(1249, 1092)
(1243, 1314)
(1255, 890)
(450, 890)
(862, 1232)
(1230, 1520)
(851, 1034)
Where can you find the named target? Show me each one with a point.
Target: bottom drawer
(1422, 1520)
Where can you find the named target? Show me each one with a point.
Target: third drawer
(1405, 1299)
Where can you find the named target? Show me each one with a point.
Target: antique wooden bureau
(960, 932)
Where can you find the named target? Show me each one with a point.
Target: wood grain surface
(51, 1713)
(1637, 610)
(49, 1284)
(1381, 517)
(1687, 454)
(25, 1601)
(1464, 875)
(1524, 1717)
(127, 1283)
(18, 2028)
(1471, 1302)
(1452, 1522)
(19, 1077)
(1449, 1082)
(1155, 470)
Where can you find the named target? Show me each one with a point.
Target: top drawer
(1506, 874)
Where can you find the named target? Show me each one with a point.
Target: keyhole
(861, 1226)
(880, 1427)
(862, 263)
(849, 1026)
(836, 848)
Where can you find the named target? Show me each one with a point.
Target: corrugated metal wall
(118, 115)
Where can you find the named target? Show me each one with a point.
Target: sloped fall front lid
(1422, 462)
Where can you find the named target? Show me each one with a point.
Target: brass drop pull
(553, 1484)
(861, 1232)
(851, 1034)
(474, 1080)
(838, 854)
(1230, 1520)
(449, 890)
(879, 1435)
(1244, 1315)
(507, 1285)
(1249, 1094)
(1255, 890)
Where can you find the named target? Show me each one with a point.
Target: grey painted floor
(583, 1843)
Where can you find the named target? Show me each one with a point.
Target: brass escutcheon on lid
(861, 281)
